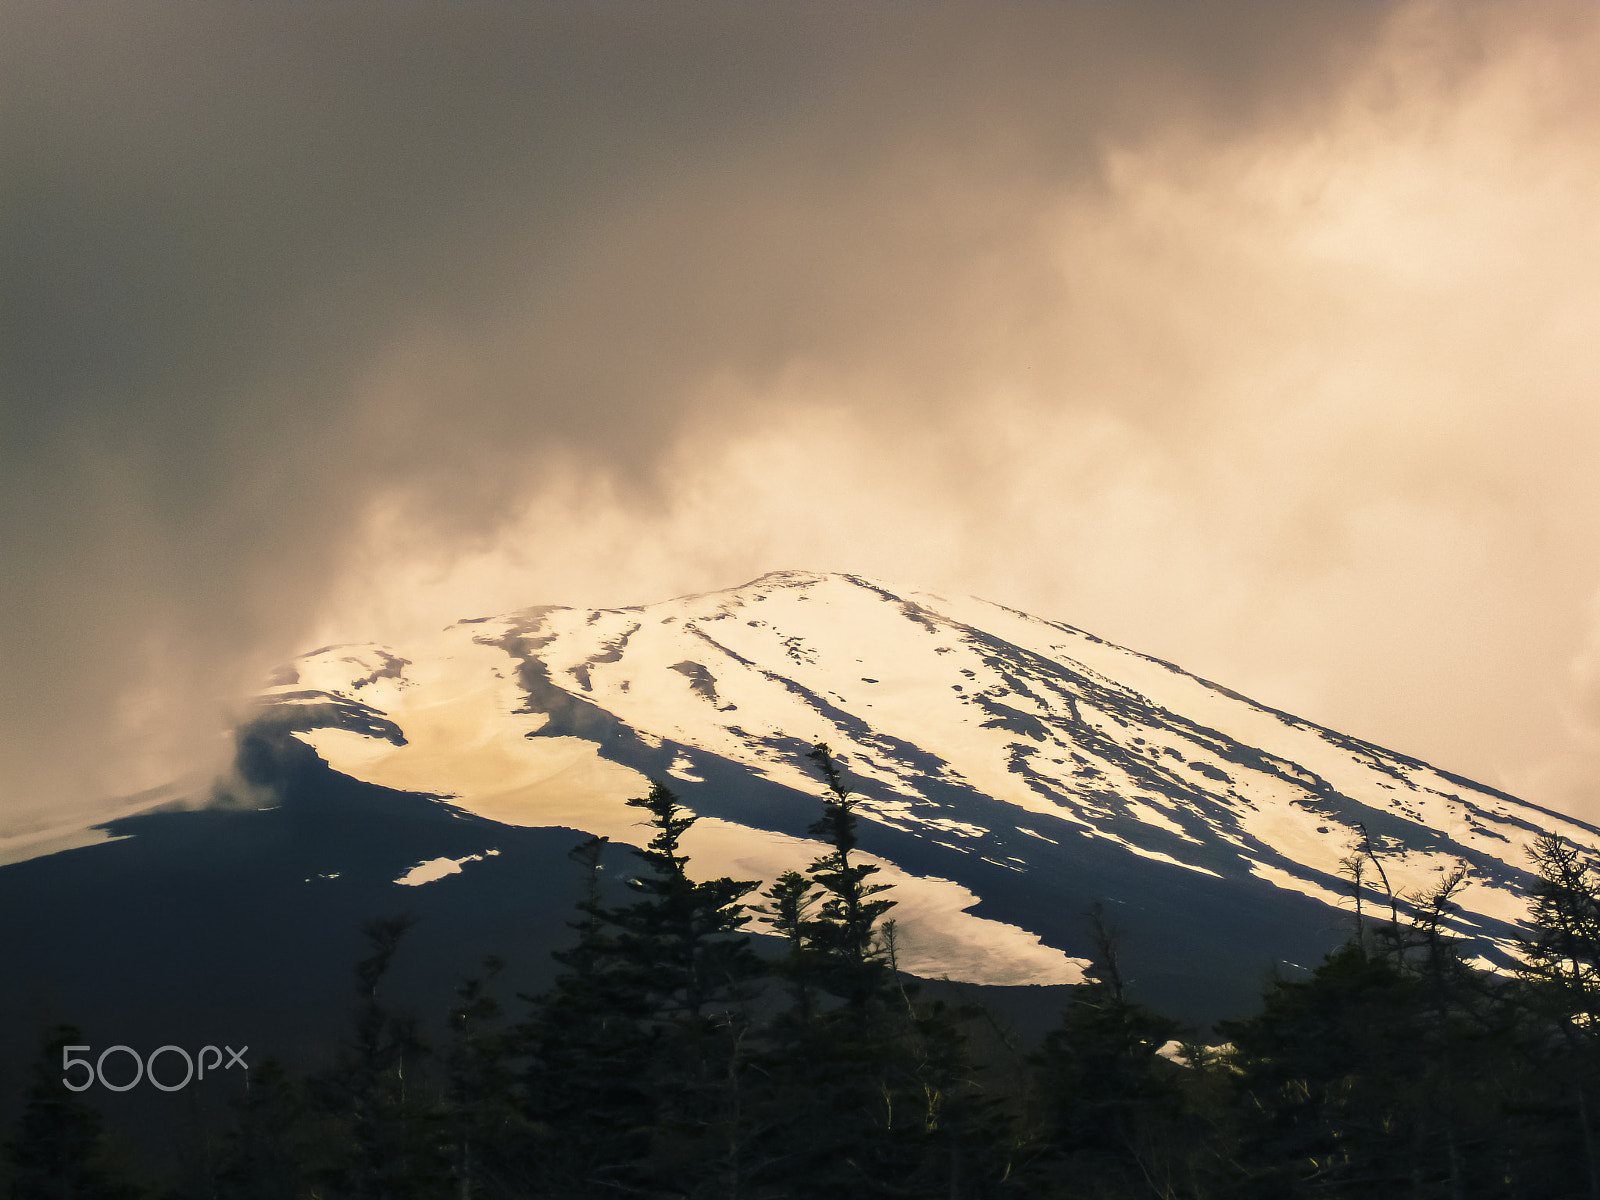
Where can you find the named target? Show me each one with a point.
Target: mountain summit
(1013, 770)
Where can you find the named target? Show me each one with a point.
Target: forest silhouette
(669, 1060)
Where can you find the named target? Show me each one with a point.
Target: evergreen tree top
(670, 822)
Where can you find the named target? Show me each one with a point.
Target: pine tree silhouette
(870, 1089)
(480, 1118)
(266, 1153)
(389, 1150)
(589, 1045)
(843, 931)
(1109, 1103)
(1561, 993)
(56, 1150)
(640, 1048)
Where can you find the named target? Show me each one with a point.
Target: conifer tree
(871, 1091)
(482, 1123)
(639, 1049)
(1450, 1027)
(685, 932)
(1563, 952)
(949, 1137)
(1109, 1102)
(1324, 1073)
(830, 1096)
(389, 1150)
(1561, 987)
(56, 1152)
(684, 935)
(266, 1153)
(1384, 1073)
(589, 1045)
(788, 913)
(844, 928)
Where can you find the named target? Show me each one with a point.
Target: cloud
(1249, 335)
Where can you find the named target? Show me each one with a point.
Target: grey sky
(1255, 336)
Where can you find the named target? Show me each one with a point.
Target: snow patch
(432, 869)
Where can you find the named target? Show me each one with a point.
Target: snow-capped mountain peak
(1003, 760)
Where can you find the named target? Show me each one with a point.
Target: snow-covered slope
(1001, 758)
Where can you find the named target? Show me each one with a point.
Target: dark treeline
(668, 1060)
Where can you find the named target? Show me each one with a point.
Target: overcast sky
(1259, 337)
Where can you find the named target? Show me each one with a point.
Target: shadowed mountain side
(241, 927)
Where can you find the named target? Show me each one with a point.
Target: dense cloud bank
(1252, 335)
